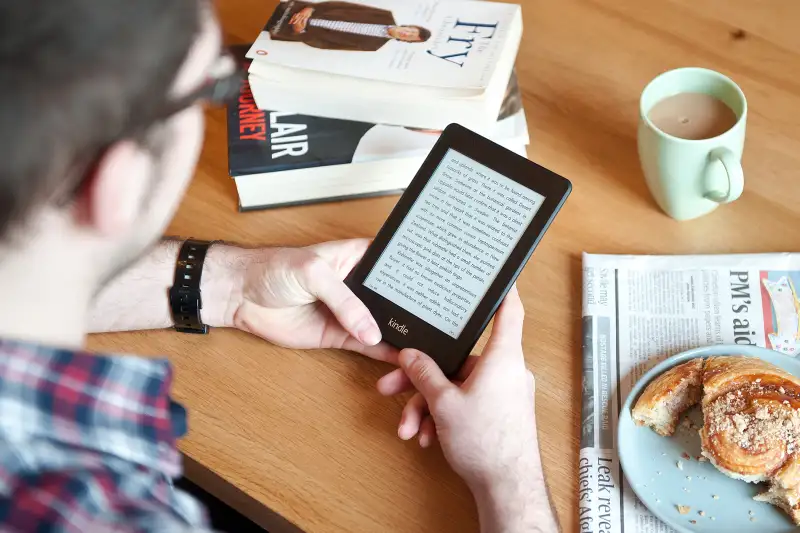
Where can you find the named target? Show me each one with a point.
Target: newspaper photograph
(640, 310)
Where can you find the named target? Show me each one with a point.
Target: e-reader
(454, 244)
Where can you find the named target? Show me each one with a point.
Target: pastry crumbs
(754, 427)
(683, 509)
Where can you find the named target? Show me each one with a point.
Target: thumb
(508, 324)
(425, 374)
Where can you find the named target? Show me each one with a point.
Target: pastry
(751, 420)
(751, 428)
(669, 395)
(786, 499)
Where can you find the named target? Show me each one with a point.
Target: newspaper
(639, 310)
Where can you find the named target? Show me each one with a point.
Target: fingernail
(370, 334)
(403, 433)
(424, 441)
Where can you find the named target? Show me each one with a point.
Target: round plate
(650, 463)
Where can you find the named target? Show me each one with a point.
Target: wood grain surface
(305, 434)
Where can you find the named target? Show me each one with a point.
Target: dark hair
(75, 77)
(424, 33)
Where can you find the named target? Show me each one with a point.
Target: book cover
(263, 141)
(433, 43)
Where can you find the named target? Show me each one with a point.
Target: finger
(427, 432)
(411, 419)
(508, 323)
(342, 256)
(395, 382)
(380, 352)
(531, 382)
(320, 280)
(425, 374)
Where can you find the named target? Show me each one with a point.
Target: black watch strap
(185, 299)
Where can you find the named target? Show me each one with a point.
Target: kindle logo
(401, 328)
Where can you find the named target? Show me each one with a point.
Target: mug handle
(733, 168)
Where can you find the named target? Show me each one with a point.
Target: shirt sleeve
(87, 443)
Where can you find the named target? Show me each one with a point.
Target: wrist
(504, 487)
(221, 285)
(516, 500)
(509, 505)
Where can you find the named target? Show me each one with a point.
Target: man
(340, 26)
(101, 121)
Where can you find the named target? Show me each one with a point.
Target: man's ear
(111, 198)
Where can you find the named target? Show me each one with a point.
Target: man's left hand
(295, 297)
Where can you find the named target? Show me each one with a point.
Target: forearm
(518, 504)
(138, 297)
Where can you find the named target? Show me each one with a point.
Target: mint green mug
(689, 178)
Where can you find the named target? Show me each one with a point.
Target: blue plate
(650, 463)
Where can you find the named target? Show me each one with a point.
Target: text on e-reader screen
(452, 243)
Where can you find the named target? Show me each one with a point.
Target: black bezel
(450, 353)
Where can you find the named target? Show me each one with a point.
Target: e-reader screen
(452, 243)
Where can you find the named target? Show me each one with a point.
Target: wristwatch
(185, 299)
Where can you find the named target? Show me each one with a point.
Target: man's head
(92, 162)
(410, 34)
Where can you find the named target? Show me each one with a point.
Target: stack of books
(345, 99)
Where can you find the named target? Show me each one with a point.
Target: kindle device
(454, 244)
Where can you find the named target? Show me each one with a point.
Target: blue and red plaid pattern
(87, 444)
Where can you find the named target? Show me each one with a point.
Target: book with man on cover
(418, 63)
(412, 42)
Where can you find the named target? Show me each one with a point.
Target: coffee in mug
(691, 137)
(693, 116)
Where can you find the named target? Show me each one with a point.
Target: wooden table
(306, 435)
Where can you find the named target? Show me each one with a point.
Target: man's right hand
(485, 422)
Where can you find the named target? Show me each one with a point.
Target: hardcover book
(416, 63)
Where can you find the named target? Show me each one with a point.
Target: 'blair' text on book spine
(283, 136)
(462, 41)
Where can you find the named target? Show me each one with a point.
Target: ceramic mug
(689, 178)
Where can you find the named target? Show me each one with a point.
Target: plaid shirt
(87, 444)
